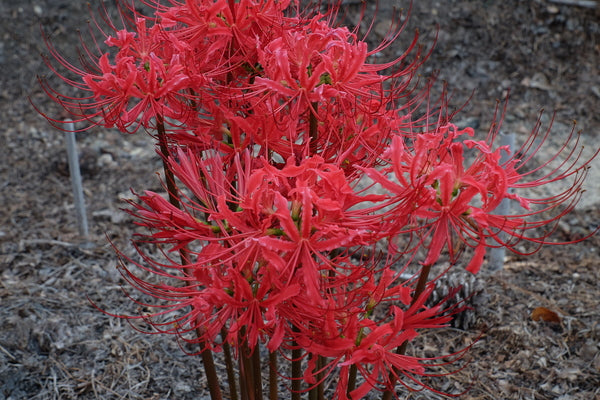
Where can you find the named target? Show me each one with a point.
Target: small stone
(106, 160)
(596, 363)
(570, 373)
(542, 362)
(588, 351)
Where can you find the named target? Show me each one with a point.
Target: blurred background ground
(55, 345)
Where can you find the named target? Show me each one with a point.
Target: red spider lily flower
(344, 135)
(129, 96)
(273, 232)
(451, 199)
(145, 80)
(225, 24)
(315, 219)
(196, 69)
(352, 336)
(316, 62)
(320, 96)
(155, 72)
(217, 297)
(312, 62)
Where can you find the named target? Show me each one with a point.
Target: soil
(55, 345)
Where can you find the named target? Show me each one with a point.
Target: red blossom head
(449, 187)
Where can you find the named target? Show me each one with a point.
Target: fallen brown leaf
(545, 314)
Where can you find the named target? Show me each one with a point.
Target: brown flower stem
(316, 393)
(207, 357)
(312, 394)
(247, 378)
(273, 378)
(256, 373)
(245, 375)
(352, 378)
(296, 372)
(421, 283)
(211, 374)
(321, 387)
(243, 378)
(169, 177)
(353, 372)
(229, 366)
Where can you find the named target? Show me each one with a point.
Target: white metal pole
(75, 174)
(497, 254)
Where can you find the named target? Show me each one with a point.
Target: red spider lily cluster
(270, 120)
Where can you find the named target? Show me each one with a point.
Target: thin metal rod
(76, 184)
(497, 254)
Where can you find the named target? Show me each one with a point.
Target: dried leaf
(544, 314)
